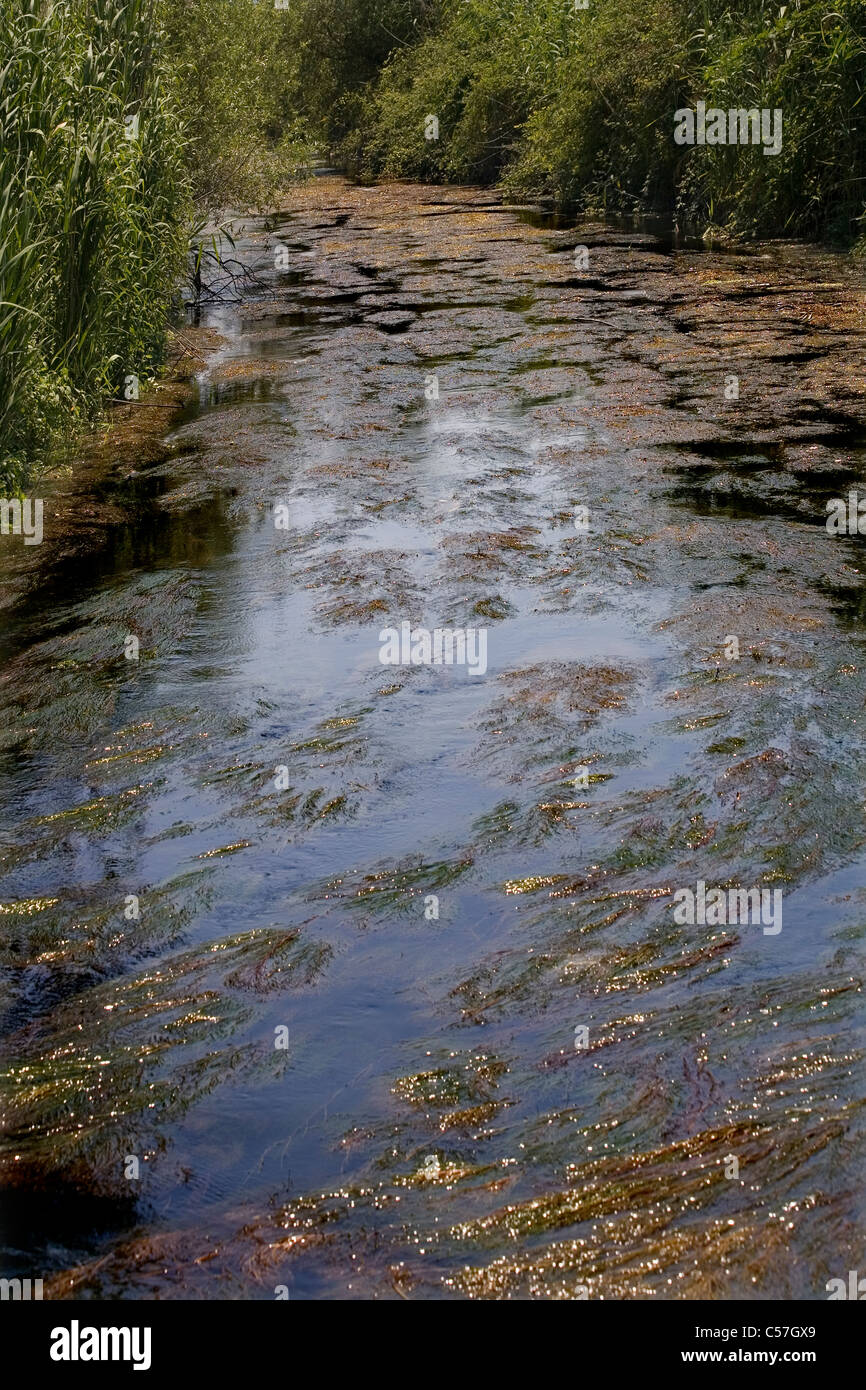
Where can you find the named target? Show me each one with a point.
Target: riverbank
(89, 492)
(589, 104)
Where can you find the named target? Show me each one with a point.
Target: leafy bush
(339, 47)
(234, 63)
(578, 105)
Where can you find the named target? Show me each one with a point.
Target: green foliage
(807, 58)
(605, 138)
(340, 46)
(91, 220)
(578, 105)
(236, 64)
(478, 72)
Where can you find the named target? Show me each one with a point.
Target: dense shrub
(338, 47)
(578, 105)
(236, 69)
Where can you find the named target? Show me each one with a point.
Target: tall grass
(93, 208)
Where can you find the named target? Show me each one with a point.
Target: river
(332, 978)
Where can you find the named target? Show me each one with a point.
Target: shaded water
(432, 1129)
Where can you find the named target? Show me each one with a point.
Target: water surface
(432, 389)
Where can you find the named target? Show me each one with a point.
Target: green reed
(93, 208)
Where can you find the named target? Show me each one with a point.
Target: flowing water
(297, 946)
